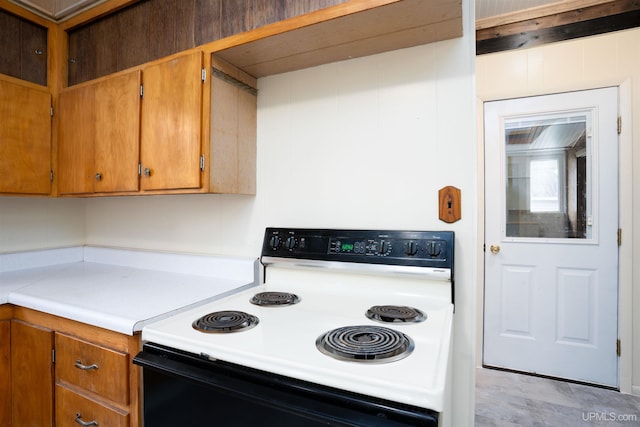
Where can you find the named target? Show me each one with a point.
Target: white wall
(607, 60)
(365, 143)
(37, 223)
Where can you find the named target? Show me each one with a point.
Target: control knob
(384, 247)
(433, 249)
(274, 242)
(412, 248)
(290, 243)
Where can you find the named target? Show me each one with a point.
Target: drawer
(73, 409)
(98, 369)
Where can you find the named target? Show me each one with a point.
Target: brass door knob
(494, 249)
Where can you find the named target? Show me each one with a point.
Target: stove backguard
(429, 253)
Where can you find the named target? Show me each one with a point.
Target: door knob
(494, 249)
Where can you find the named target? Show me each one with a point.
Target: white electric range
(351, 327)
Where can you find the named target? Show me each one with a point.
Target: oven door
(183, 389)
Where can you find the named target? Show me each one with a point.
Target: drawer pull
(85, 423)
(79, 365)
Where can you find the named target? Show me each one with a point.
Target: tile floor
(506, 399)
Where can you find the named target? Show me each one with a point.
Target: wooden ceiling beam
(599, 18)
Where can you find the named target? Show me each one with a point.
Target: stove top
(376, 331)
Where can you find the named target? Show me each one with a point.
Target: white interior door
(551, 259)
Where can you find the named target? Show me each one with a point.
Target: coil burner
(368, 344)
(225, 322)
(273, 299)
(395, 314)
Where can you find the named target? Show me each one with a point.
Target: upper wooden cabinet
(142, 132)
(24, 49)
(25, 138)
(98, 144)
(171, 124)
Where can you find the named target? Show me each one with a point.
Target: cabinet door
(5, 373)
(31, 375)
(117, 139)
(98, 147)
(25, 139)
(76, 135)
(171, 124)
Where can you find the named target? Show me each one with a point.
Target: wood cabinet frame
(346, 30)
(126, 344)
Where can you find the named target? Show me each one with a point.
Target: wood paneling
(24, 49)
(152, 29)
(207, 21)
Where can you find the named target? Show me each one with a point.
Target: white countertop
(120, 290)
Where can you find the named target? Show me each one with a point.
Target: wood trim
(94, 13)
(26, 14)
(6, 311)
(537, 12)
(581, 22)
(565, 18)
(104, 337)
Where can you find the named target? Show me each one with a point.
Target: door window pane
(547, 182)
(544, 191)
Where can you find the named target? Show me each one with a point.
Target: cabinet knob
(147, 172)
(98, 176)
(80, 421)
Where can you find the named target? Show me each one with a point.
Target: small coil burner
(369, 344)
(225, 321)
(395, 314)
(271, 299)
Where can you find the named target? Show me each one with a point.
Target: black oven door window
(181, 389)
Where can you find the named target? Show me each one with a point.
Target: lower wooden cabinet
(5, 371)
(73, 409)
(31, 375)
(92, 368)
(66, 373)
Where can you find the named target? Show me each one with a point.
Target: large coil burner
(395, 314)
(368, 344)
(274, 299)
(225, 322)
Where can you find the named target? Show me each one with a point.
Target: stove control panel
(392, 247)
